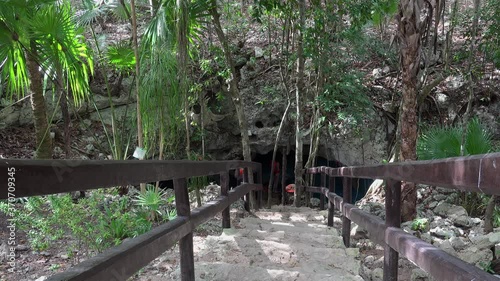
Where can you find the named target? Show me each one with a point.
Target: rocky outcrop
(441, 223)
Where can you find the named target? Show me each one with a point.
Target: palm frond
(478, 140)
(61, 45)
(121, 56)
(92, 11)
(436, 143)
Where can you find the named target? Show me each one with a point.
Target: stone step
(291, 227)
(291, 216)
(220, 271)
(313, 239)
(272, 254)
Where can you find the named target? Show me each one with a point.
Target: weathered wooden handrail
(45, 177)
(479, 173)
(59, 176)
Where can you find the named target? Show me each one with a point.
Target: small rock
(377, 73)
(258, 52)
(358, 233)
(457, 243)
(379, 262)
(41, 278)
(418, 274)
(447, 247)
(4, 250)
(369, 260)
(433, 204)
(22, 248)
(45, 254)
(89, 148)
(365, 272)
(476, 220)
(64, 256)
(462, 221)
(442, 233)
(378, 274)
(58, 150)
(439, 197)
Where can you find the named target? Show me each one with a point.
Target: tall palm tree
(39, 37)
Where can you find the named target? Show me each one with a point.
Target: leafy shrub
(93, 225)
(437, 143)
(420, 224)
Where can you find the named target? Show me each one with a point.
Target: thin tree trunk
(235, 93)
(64, 110)
(410, 39)
(299, 182)
(182, 49)
(488, 215)
(140, 140)
(43, 140)
(275, 150)
(283, 174)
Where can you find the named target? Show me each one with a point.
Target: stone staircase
(283, 243)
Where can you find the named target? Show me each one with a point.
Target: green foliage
(151, 201)
(94, 223)
(420, 224)
(121, 57)
(491, 38)
(437, 143)
(46, 31)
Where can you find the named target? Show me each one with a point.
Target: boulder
(448, 210)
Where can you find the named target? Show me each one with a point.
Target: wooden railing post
(283, 178)
(322, 195)
(224, 189)
(186, 243)
(331, 203)
(259, 193)
(392, 219)
(247, 196)
(346, 223)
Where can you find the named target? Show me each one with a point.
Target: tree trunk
(488, 215)
(42, 132)
(65, 111)
(298, 92)
(182, 48)
(235, 93)
(409, 32)
(140, 140)
(275, 150)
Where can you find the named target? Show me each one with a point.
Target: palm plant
(436, 143)
(39, 36)
(160, 88)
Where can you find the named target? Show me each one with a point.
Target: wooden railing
(43, 177)
(479, 173)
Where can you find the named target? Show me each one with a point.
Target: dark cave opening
(266, 160)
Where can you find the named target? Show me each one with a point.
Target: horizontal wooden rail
(436, 262)
(123, 261)
(43, 177)
(478, 173)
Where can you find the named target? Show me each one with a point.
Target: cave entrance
(266, 159)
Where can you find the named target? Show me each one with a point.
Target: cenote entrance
(266, 159)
